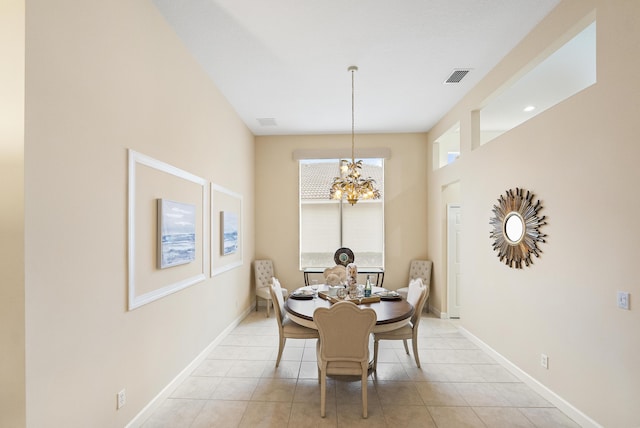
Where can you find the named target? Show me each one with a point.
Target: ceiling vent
(267, 121)
(457, 75)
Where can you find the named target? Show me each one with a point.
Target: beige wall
(580, 160)
(277, 235)
(12, 388)
(103, 77)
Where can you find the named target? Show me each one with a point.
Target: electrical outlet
(623, 300)
(544, 361)
(122, 399)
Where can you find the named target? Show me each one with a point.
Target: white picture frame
(168, 281)
(229, 205)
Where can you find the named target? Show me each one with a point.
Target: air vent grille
(267, 121)
(457, 75)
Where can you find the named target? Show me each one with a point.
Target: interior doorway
(453, 260)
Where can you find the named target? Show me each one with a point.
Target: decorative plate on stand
(343, 256)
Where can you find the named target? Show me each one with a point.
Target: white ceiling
(287, 60)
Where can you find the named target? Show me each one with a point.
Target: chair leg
(406, 348)
(318, 365)
(283, 340)
(323, 392)
(256, 303)
(415, 347)
(375, 354)
(268, 305)
(364, 391)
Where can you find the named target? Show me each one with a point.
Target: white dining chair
(343, 348)
(419, 269)
(287, 329)
(417, 296)
(263, 270)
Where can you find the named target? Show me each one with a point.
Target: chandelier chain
(353, 117)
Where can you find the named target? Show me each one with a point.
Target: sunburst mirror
(516, 228)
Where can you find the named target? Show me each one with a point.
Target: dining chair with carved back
(343, 348)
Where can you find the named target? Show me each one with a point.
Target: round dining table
(391, 314)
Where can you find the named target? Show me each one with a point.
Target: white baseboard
(563, 405)
(153, 405)
(437, 313)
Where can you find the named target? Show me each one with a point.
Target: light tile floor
(458, 385)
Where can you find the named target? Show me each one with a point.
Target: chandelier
(350, 184)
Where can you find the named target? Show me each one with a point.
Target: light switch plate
(623, 300)
(544, 361)
(121, 399)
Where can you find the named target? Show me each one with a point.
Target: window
(564, 73)
(326, 224)
(446, 148)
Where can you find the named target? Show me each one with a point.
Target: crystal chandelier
(350, 184)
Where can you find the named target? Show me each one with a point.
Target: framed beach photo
(229, 228)
(176, 233)
(226, 230)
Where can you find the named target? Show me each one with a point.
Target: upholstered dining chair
(263, 270)
(419, 269)
(417, 296)
(287, 329)
(343, 348)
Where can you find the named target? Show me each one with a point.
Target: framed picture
(229, 228)
(176, 233)
(168, 241)
(226, 230)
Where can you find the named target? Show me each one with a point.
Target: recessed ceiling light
(529, 108)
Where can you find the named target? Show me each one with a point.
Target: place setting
(303, 294)
(388, 295)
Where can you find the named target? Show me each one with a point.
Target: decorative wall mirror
(516, 228)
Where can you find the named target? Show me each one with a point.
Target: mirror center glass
(513, 227)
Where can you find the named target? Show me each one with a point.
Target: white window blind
(326, 225)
